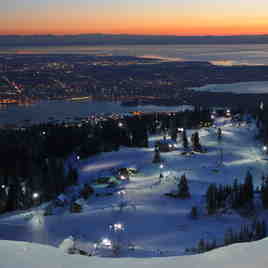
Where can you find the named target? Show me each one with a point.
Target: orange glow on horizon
(149, 29)
(151, 20)
(229, 31)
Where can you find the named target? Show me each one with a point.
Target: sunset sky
(172, 17)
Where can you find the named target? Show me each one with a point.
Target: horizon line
(127, 34)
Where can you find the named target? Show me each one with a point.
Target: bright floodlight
(212, 116)
(264, 148)
(43, 133)
(3, 186)
(121, 192)
(35, 195)
(122, 177)
(118, 227)
(78, 157)
(106, 242)
(120, 124)
(161, 166)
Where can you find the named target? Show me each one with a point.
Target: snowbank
(30, 255)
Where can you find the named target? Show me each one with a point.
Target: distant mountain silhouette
(124, 39)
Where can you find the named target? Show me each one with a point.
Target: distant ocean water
(242, 54)
(216, 54)
(67, 110)
(259, 87)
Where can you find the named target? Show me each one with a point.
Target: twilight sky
(175, 17)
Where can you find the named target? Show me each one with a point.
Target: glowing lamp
(35, 195)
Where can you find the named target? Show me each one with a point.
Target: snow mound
(30, 255)
(67, 244)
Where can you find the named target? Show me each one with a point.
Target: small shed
(165, 146)
(77, 206)
(86, 191)
(61, 200)
(123, 174)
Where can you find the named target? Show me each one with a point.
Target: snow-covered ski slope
(156, 224)
(30, 255)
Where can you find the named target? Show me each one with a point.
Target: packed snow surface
(156, 225)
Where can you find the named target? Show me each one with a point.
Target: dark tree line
(264, 192)
(247, 233)
(33, 160)
(256, 231)
(261, 115)
(235, 196)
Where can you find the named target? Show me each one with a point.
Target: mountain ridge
(127, 39)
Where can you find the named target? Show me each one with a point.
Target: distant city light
(264, 148)
(212, 116)
(161, 166)
(78, 157)
(44, 133)
(120, 124)
(3, 186)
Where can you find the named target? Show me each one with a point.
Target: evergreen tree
(172, 128)
(201, 247)
(213, 245)
(193, 213)
(241, 235)
(229, 237)
(258, 232)
(185, 140)
(72, 177)
(264, 229)
(248, 190)
(183, 188)
(264, 193)
(196, 142)
(174, 134)
(157, 157)
(219, 134)
(235, 195)
(211, 199)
